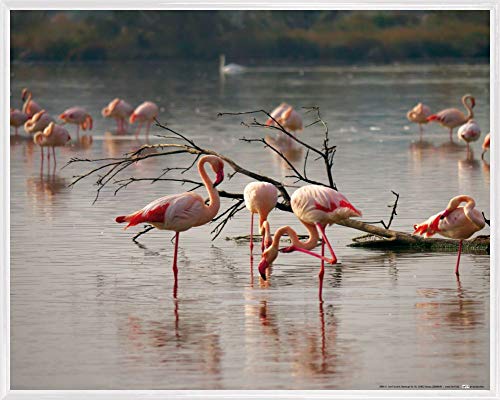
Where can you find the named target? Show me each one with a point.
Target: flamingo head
(267, 259)
(24, 94)
(218, 167)
(133, 117)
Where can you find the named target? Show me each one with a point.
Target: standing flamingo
(452, 117)
(38, 122)
(52, 136)
(419, 114)
(469, 132)
(146, 112)
(78, 116)
(120, 110)
(180, 212)
(260, 198)
(30, 106)
(486, 145)
(17, 118)
(454, 222)
(288, 118)
(316, 207)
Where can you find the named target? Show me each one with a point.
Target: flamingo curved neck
(309, 244)
(469, 207)
(213, 194)
(470, 113)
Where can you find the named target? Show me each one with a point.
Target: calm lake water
(90, 309)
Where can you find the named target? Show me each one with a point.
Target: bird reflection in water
(288, 148)
(45, 187)
(117, 145)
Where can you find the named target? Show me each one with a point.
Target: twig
(146, 229)
(393, 213)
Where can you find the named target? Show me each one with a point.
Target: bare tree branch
(393, 213)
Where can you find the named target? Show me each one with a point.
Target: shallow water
(92, 310)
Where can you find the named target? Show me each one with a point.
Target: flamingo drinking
(454, 222)
(180, 212)
(17, 118)
(78, 116)
(260, 198)
(452, 117)
(120, 110)
(30, 106)
(146, 112)
(316, 207)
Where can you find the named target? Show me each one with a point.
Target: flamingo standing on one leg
(288, 118)
(469, 132)
(452, 117)
(486, 145)
(52, 136)
(120, 110)
(17, 118)
(419, 114)
(38, 122)
(146, 112)
(260, 198)
(78, 116)
(30, 106)
(454, 222)
(180, 212)
(316, 207)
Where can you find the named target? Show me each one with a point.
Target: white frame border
(7, 5)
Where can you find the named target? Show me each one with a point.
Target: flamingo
(452, 117)
(30, 106)
(229, 69)
(120, 110)
(486, 145)
(38, 122)
(180, 212)
(286, 115)
(260, 198)
(146, 112)
(469, 132)
(78, 116)
(316, 207)
(17, 118)
(52, 136)
(419, 114)
(454, 222)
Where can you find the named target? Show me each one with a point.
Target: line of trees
(338, 36)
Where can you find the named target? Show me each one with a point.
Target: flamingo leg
(321, 271)
(78, 132)
(54, 155)
(451, 134)
(148, 125)
(325, 239)
(421, 131)
(15, 130)
(251, 233)
(458, 258)
(138, 130)
(41, 160)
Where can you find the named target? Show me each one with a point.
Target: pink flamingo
(180, 212)
(120, 110)
(30, 106)
(454, 222)
(38, 122)
(52, 136)
(146, 112)
(486, 145)
(316, 207)
(17, 118)
(469, 132)
(452, 117)
(260, 198)
(78, 116)
(286, 115)
(418, 115)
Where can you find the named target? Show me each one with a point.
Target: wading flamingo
(180, 212)
(78, 116)
(120, 110)
(288, 118)
(454, 222)
(52, 136)
(316, 207)
(30, 106)
(486, 145)
(229, 69)
(17, 118)
(452, 117)
(38, 122)
(418, 115)
(146, 112)
(260, 198)
(469, 132)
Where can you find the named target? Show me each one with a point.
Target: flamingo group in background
(260, 198)
(17, 119)
(30, 107)
(120, 110)
(38, 122)
(78, 116)
(180, 212)
(316, 207)
(486, 145)
(453, 117)
(469, 132)
(454, 222)
(419, 115)
(52, 136)
(144, 113)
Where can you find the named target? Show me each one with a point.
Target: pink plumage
(17, 118)
(30, 107)
(120, 110)
(144, 113)
(78, 116)
(286, 115)
(452, 117)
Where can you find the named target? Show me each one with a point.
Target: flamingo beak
(444, 214)
(220, 177)
(262, 268)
